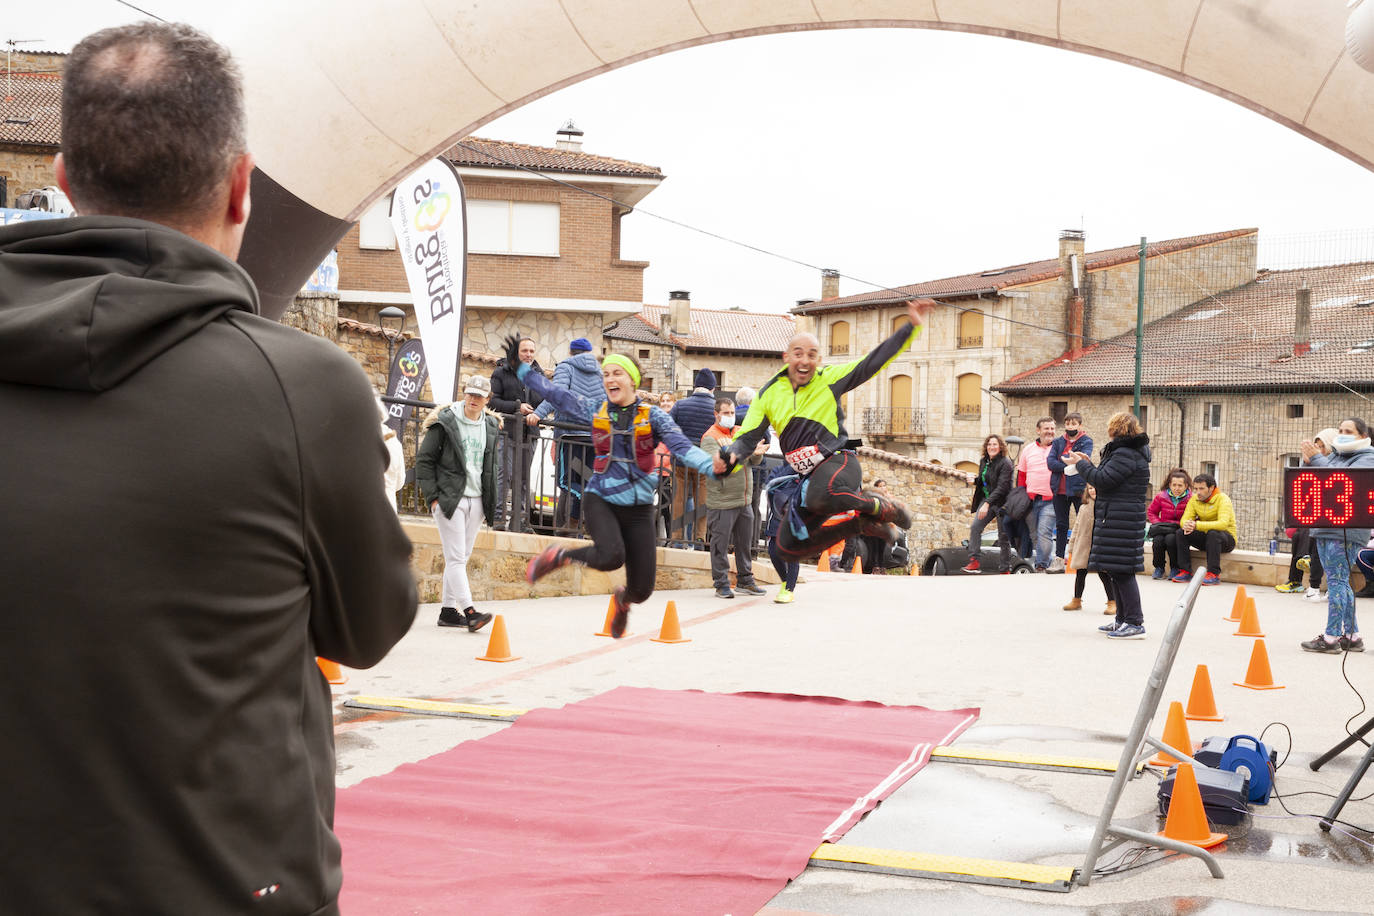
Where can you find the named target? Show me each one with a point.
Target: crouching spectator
(1209, 524)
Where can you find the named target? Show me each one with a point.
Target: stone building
(934, 401)
(543, 256)
(1230, 384)
(672, 342)
(30, 124)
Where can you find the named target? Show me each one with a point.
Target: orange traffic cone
(1238, 605)
(1249, 621)
(1187, 820)
(858, 565)
(498, 646)
(671, 630)
(1259, 677)
(823, 564)
(610, 615)
(1202, 706)
(331, 671)
(1175, 735)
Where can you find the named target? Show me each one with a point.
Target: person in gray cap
(455, 469)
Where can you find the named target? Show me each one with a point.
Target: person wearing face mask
(729, 516)
(618, 502)
(1065, 483)
(1339, 548)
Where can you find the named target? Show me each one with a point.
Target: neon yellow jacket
(1216, 514)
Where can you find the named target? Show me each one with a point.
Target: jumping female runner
(618, 500)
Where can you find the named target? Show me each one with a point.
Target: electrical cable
(899, 296)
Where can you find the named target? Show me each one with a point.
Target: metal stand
(1138, 747)
(1355, 777)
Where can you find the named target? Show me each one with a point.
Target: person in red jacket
(1163, 514)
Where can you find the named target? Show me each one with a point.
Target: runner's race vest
(643, 442)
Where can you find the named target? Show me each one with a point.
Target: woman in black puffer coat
(990, 488)
(1122, 480)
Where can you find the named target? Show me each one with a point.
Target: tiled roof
(1239, 339)
(495, 154)
(712, 329)
(991, 281)
(31, 111)
(866, 451)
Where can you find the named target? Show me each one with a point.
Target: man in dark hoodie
(694, 414)
(192, 513)
(510, 398)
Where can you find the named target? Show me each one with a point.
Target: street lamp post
(384, 318)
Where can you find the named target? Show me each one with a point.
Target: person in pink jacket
(1163, 514)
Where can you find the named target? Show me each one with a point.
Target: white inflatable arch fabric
(347, 96)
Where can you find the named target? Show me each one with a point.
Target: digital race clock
(1316, 497)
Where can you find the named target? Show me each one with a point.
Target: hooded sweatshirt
(580, 374)
(191, 513)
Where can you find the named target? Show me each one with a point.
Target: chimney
(802, 303)
(1071, 244)
(680, 312)
(1302, 322)
(830, 283)
(569, 138)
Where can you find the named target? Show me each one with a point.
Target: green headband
(615, 359)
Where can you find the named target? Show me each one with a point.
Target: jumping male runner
(802, 402)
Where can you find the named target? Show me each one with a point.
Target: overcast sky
(897, 156)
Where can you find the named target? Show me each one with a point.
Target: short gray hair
(745, 395)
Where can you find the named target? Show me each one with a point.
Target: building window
(1295, 411)
(1144, 418)
(1059, 410)
(969, 467)
(839, 338)
(970, 400)
(1210, 467)
(643, 354)
(513, 227)
(971, 328)
(646, 383)
(1211, 417)
(374, 227)
(898, 321)
(1292, 461)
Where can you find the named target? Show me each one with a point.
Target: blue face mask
(1345, 444)
(1344, 440)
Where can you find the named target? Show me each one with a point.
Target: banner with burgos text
(429, 214)
(408, 373)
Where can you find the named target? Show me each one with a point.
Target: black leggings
(834, 486)
(1080, 581)
(1126, 593)
(621, 536)
(786, 569)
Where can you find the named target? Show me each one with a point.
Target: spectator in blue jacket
(694, 415)
(1065, 483)
(580, 373)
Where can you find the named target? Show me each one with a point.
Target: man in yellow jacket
(1209, 523)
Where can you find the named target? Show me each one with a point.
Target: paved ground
(1046, 681)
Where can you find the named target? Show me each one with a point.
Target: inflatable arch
(345, 97)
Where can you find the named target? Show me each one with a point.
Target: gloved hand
(512, 346)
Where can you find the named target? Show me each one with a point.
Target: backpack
(1018, 504)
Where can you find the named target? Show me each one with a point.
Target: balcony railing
(897, 422)
(839, 349)
(968, 411)
(972, 340)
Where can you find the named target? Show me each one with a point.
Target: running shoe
(1305, 563)
(622, 613)
(477, 620)
(540, 566)
(1352, 643)
(890, 510)
(1181, 576)
(1211, 578)
(750, 589)
(784, 596)
(1127, 631)
(1322, 643)
(1109, 628)
(1289, 588)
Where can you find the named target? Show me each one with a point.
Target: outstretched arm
(852, 375)
(573, 408)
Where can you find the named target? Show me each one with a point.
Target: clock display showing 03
(1328, 497)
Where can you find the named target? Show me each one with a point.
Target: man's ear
(60, 167)
(240, 182)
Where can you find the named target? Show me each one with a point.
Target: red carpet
(634, 801)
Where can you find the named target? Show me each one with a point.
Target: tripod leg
(1338, 749)
(1349, 788)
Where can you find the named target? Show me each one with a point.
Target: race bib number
(804, 460)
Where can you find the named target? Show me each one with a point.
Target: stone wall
(25, 168)
(938, 498)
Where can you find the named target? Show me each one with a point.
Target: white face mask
(726, 421)
(1345, 444)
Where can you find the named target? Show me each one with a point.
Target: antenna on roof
(569, 137)
(9, 51)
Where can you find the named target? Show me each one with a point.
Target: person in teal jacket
(618, 502)
(802, 402)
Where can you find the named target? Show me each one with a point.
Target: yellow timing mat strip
(949, 868)
(1027, 761)
(436, 708)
